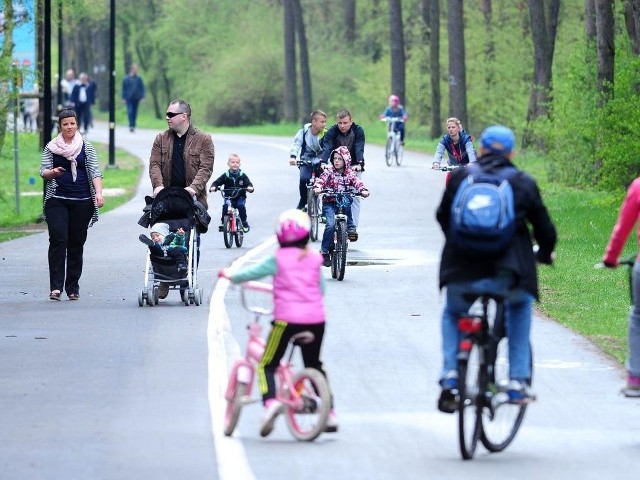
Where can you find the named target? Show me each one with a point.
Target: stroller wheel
(185, 296)
(140, 299)
(155, 296)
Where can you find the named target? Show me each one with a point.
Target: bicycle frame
(314, 209)
(305, 392)
(232, 225)
(393, 147)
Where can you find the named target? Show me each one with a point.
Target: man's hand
(190, 190)
(357, 168)
(317, 190)
(156, 190)
(435, 166)
(292, 161)
(364, 192)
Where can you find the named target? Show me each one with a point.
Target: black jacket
(519, 258)
(227, 181)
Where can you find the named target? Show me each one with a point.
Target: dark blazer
(519, 258)
(91, 93)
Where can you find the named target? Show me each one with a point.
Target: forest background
(564, 74)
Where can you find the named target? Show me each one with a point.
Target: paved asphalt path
(103, 389)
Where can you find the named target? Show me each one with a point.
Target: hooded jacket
(519, 257)
(233, 180)
(339, 181)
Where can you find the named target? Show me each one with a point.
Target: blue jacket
(90, 89)
(132, 88)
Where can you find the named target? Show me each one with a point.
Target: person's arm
(471, 153)
(327, 144)
(155, 169)
(296, 147)
(205, 166)
(359, 146)
(95, 174)
(267, 267)
(627, 218)
(437, 157)
(544, 232)
(248, 184)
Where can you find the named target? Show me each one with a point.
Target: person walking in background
(73, 195)
(181, 156)
(511, 272)
(351, 135)
(67, 83)
(132, 93)
(627, 218)
(308, 145)
(83, 97)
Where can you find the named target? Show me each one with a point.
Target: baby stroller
(177, 208)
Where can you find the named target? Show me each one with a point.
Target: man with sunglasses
(182, 156)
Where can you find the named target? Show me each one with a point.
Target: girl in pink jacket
(298, 287)
(627, 218)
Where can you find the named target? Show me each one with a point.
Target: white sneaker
(332, 422)
(271, 412)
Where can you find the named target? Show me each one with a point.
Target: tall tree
(457, 65)
(605, 47)
(290, 107)
(396, 35)
(350, 21)
(590, 21)
(305, 71)
(431, 17)
(543, 29)
(632, 21)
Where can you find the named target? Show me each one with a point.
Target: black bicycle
(314, 206)
(484, 410)
(340, 235)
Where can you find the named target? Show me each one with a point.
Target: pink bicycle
(304, 395)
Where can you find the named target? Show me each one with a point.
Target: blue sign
(24, 41)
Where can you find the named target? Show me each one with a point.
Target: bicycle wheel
(399, 151)
(388, 151)
(311, 420)
(234, 407)
(227, 233)
(239, 235)
(470, 383)
(501, 420)
(339, 256)
(314, 214)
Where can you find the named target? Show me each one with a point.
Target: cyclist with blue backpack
(485, 214)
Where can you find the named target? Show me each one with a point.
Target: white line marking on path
(231, 456)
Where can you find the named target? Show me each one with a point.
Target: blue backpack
(483, 219)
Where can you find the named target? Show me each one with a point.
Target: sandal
(55, 295)
(74, 296)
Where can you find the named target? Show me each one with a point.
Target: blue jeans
(518, 321)
(329, 212)
(305, 176)
(633, 362)
(238, 203)
(132, 112)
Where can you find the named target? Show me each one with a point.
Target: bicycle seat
(471, 297)
(302, 338)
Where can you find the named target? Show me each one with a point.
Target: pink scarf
(70, 151)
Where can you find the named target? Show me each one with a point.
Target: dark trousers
(240, 204)
(132, 112)
(68, 221)
(83, 111)
(276, 346)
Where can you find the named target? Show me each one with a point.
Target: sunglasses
(173, 114)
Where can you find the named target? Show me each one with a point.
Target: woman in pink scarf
(72, 198)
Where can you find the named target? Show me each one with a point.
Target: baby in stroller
(164, 243)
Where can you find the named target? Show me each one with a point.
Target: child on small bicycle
(234, 178)
(164, 243)
(395, 110)
(298, 287)
(340, 178)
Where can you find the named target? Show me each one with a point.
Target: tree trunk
(290, 85)
(590, 21)
(605, 48)
(457, 66)
(305, 71)
(543, 31)
(350, 21)
(431, 17)
(632, 21)
(396, 37)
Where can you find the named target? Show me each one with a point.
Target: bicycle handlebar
(332, 192)
(448, 168)
(256, 287)
(392, 119)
